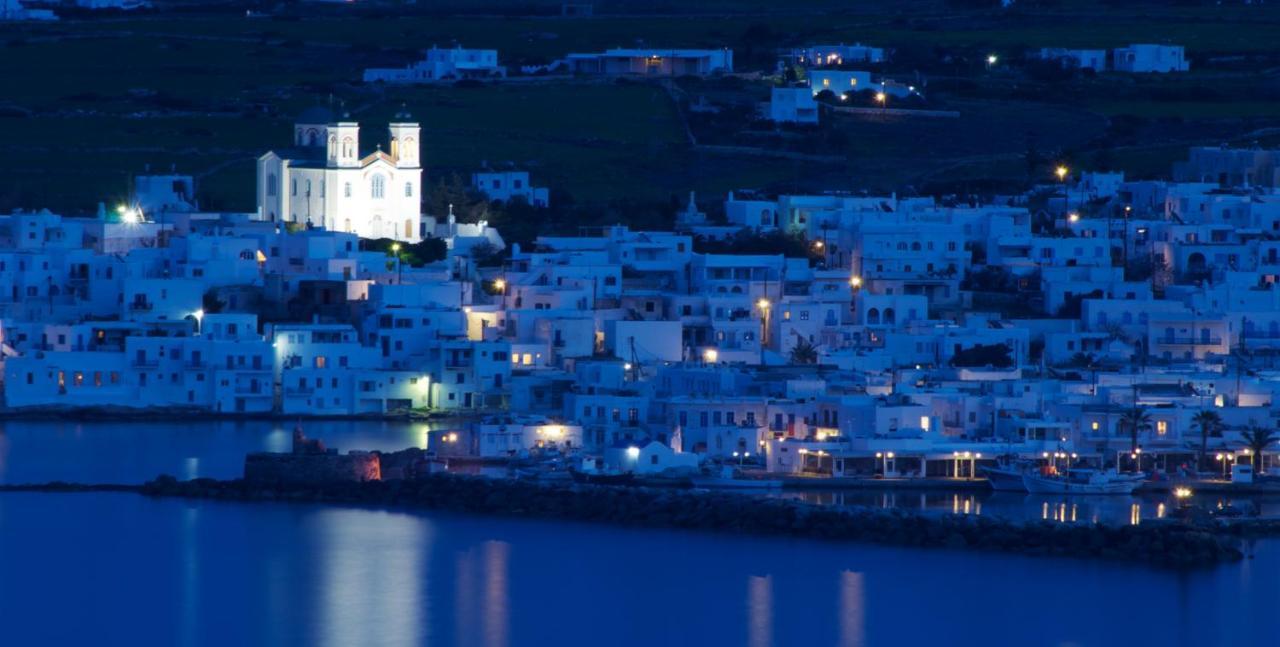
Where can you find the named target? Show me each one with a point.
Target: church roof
(316, 115)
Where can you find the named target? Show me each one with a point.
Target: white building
(839, 81)
(502, 186)
(158, 194)
(823, 55)
(793, 105)
(324, 180)
(653, 62)
(1159, 59)
(442, 65)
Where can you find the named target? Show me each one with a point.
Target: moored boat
(1005, 478)
(729, 478)
(602, 478)
(1083, 481)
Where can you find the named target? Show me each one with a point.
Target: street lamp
(199, 317)
(764, 304)
(992, 59)
(395, 249)
(710, 356)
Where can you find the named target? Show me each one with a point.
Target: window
(346, 193)
(379, 187)
(272, 188)
(408, 189)
(293, 187)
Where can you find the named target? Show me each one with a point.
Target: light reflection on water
(169, 572)
(39, 451)
(1025, 507)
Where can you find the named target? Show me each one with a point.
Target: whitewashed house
(793, 105)
(1148, 58)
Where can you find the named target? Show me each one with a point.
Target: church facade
(323, 181)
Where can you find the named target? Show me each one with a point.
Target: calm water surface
(120, 569)
(108, 569)
(132, 452)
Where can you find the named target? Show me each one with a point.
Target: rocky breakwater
(1177, 544)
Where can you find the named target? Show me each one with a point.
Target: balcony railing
(1190, 341)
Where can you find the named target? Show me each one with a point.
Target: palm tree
(1258, 439)
(804, 352)
(1209, 422)
(1136, 420)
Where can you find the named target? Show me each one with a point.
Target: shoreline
(1167, 544)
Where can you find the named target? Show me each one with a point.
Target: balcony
(141, 306)
(1189, 341)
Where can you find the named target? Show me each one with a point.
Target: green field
(87, 104)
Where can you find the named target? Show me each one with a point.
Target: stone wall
(1167, 543)
(312, 468)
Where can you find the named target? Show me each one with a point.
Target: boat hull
(1003, 480)
(1041, 485)
(603, 479)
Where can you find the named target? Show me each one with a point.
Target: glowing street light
(1073, 217)
(764, 304)
(395, 249)
(992, 59)
(1061, 172)
(128, 215)
(500, 285)
(710, 355)
(881, 97)
(855, 281)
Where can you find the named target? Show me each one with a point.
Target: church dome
(316, 115)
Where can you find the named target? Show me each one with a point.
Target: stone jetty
(1168, 543)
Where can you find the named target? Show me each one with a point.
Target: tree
(804, 352)
(1081, 360)
(994, 355)
(1136, 420)
(1209, 422)
(1257, 439)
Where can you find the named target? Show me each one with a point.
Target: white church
(323, 181)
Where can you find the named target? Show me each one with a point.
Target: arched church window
(379, 187)
(347, 145)
(271, 184)
(308, 188)
(408, 189)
